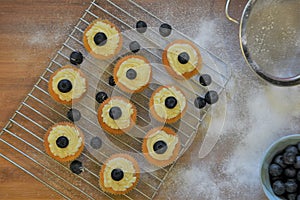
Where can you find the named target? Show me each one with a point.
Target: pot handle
(227, 13)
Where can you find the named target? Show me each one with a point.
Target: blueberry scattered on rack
(141, 26)
(165, 30)
(134, 46)
(76, 58)
(211, 97)
(101, 96)
(200, 102)
(76, 167)
(111, 81)
(205, 80)
(96, 143)
(74, 115)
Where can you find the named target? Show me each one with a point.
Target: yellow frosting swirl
(73, 135)
(112, 34)
(125, 119)
(161, 135)
(172, 56)
(78, 84)
(159, 102)
(129, 174)
(143, 71)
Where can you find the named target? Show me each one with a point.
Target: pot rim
(288, 81)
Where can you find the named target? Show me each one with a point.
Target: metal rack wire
(21, 140)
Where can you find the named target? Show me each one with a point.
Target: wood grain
(30, 33)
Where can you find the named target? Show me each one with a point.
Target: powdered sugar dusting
(257, 115)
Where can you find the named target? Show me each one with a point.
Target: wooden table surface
(31, 32)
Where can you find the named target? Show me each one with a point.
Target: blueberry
(64, 86)
(279, 160)
(165, 30)
(101, 96)
(117, 174)
(275, 178)
(170, 102)
(183, 58)
(200, 102)
(298, 176)
(62, 142)
(292, 149)
(297, 164)
(282, 198)
(76, 58)
(74, 115)
(290, 172)
(291, 186)
(289, 158)
(96, 143)
(115, 112)
(134, 46)
(141, 26)
(278, 187)
(111, 81)
(100, 39)
(160, 147)
(211, 97)
(131, 74)
(76, 167)
(292, 196)
(205, 79)
(275, 170)
(298, 146)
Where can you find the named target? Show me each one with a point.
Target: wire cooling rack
(22, 137)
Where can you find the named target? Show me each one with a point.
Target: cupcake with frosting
(132, 73)
(182, 59)
(119, 174)
(168, 104)
(117, 115)
(67, 85)
(102, 39)
(161, 146)
(64, 141)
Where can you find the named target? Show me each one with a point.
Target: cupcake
(182, 59)
(167, 104)
(119, 174)
(64, 142)
(132, 73)
(117, 115)
(102, 39)
(161, 146)
(67, 85)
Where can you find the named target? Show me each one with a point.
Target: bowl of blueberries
(280, 169)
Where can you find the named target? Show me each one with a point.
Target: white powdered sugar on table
(257, 115)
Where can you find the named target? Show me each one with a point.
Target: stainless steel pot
(270, 39)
